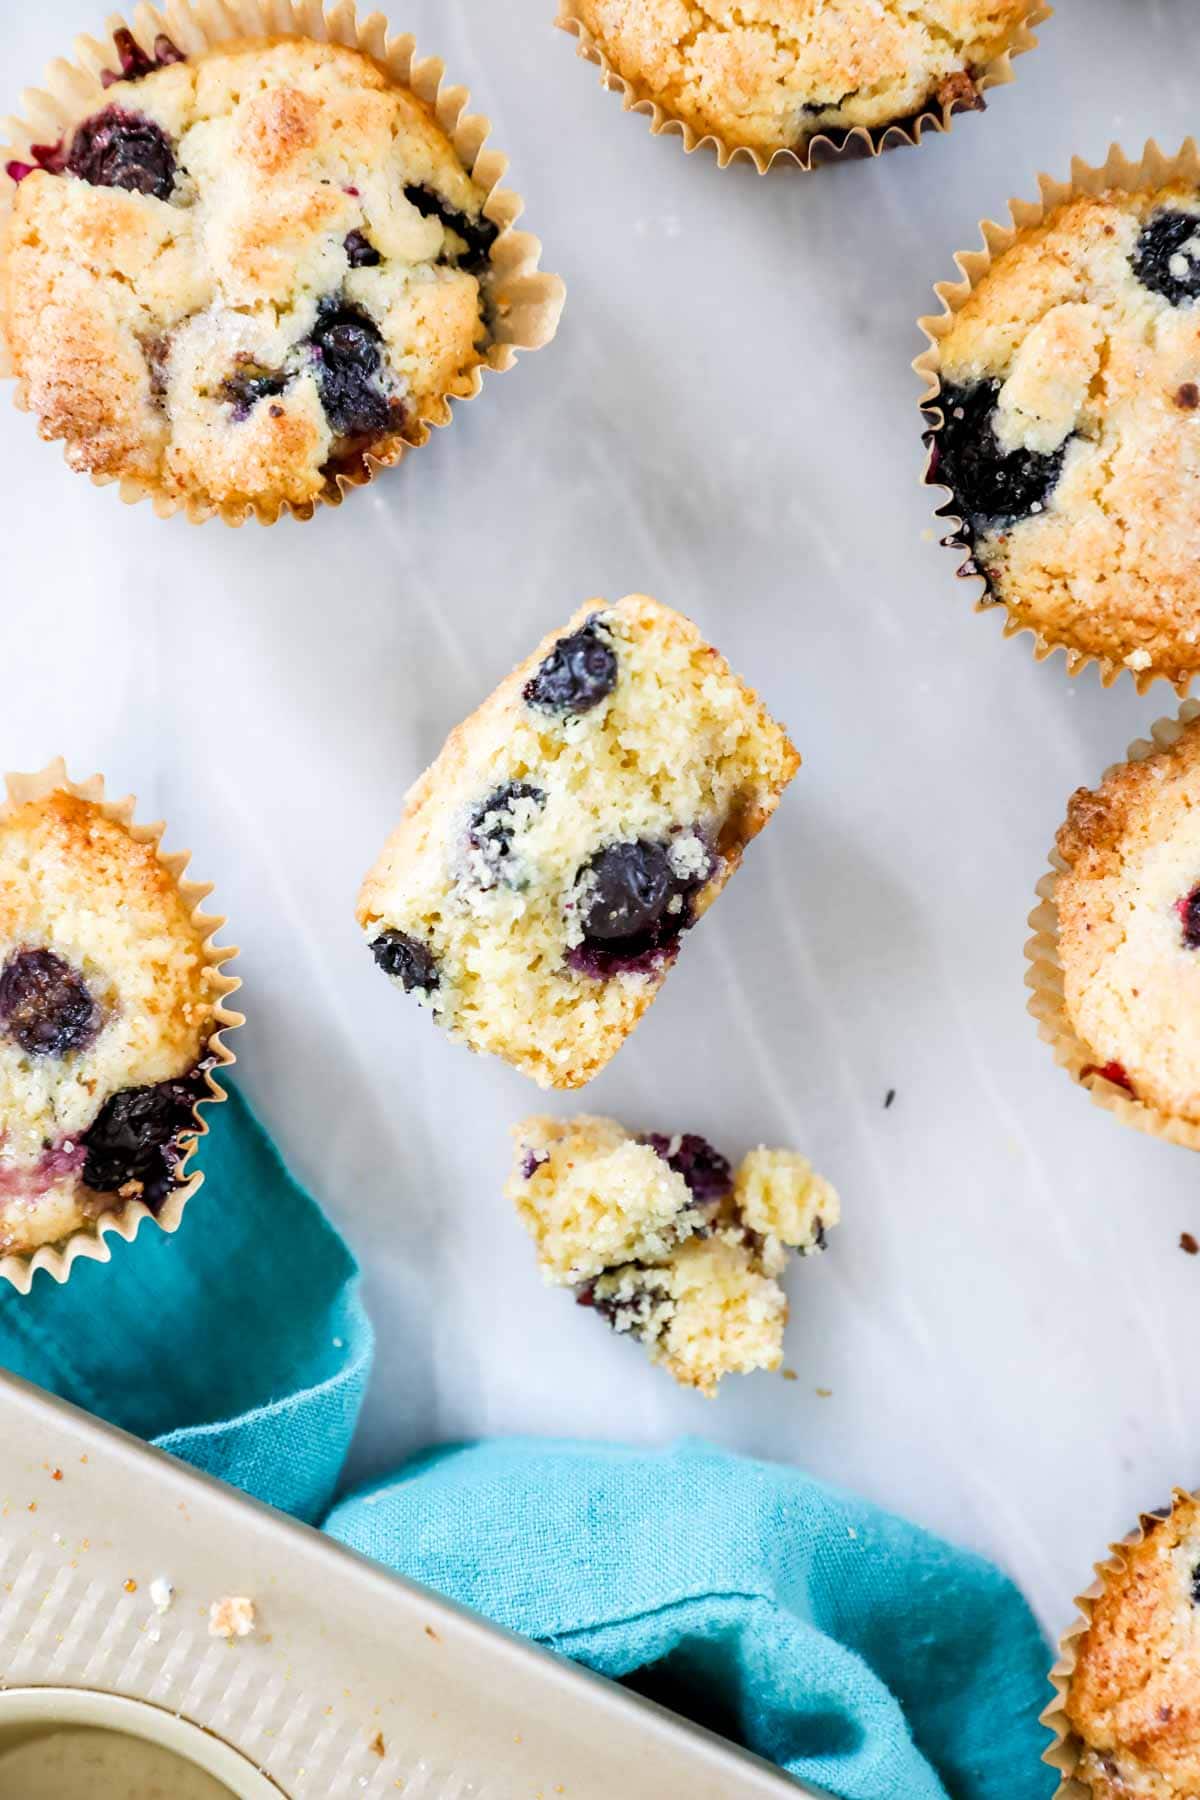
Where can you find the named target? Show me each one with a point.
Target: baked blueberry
(137, 1137)
(707, 1173)
(1167, 256)
(477, 234)
(405, 960)
(990, 485)
(627, 889)
(250, 385)
(347, 347)
(135, 64)
(1189, 913)
(45, 1005)
(122, 149)
(496, 821)
(361, 251)
(578, 674)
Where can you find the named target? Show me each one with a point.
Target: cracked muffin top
(1134, 1695)
(107, 1003)
(244, 273)
(772, 74)
(1070, 433)
(1129, 925)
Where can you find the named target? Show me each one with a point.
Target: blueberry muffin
(772, 81)
(246, 274)
(1128, 917)
(108, 1001)
(1133, 1698)
(538, 887)
(666, 1242)
(1067, 429)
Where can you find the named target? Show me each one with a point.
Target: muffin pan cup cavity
(525, 303)
(90, 1241)
(1154, 170)
(1044, 977)
(1065, 1751)
(853, 146)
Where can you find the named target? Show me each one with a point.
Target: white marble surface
(727, 420)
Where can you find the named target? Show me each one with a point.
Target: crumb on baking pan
(161, 1594)
(1187, 1242)
(231, 1617)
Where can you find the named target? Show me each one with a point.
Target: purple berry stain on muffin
(494, 824)
(360, 251)
(1189, 915)
(136, 1138)
(133, 59)
(578, 674)
(532, 1161)
(991, 486)
(121, 149)
(406, 961)
(477, 234)
(706, 1172)
(347, 347)
(51, 158)
(1166, 258)
(634, 906)
(45, 1005)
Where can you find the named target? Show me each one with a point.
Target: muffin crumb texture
(1069, 433)
(1132, 1700)
(244, 274)
(550, 861)
(771, 76)
(1128, 909)
(106, 1009)
(669, 1244)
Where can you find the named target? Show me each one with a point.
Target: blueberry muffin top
(550, 860)
(107, 1003)
(666, 1241)
(1128, 909)
(1134, 1694)
(772, 76)
(1069, 429)
(244, 273)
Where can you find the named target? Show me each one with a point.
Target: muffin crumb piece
(233, 1616)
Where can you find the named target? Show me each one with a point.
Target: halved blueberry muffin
(244, 274)
(1067, 428)
(772, 79)
(666, 1242)
(1132, 1698)
(549, 862)
(1128, 927)
(109, 997)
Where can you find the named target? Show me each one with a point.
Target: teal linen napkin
(845, 1645)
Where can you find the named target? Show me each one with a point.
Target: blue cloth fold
(847, 1646)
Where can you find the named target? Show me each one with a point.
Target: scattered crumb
(790, 1375)
(231, 1617)
(155, 1635)
(851, 1531)
(56, 1475)
(824, 1393)
(161, 1593)
(32, 1506)
(339, 1343)
(888, 1098)
(1187, 1242)
(431, 1633)
(377, 1745)
(130, 1585)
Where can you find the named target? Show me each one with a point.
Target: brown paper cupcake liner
(1065, 1751)
(852, 145)
(1044, 978)
(525, 302)
(125, 1222)
(1154, 170)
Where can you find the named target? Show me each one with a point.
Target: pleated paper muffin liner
(1065, 1751)
(125, 1221)
(524, 302)
(854, 144)
(1044, 977)
(1154, 170)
